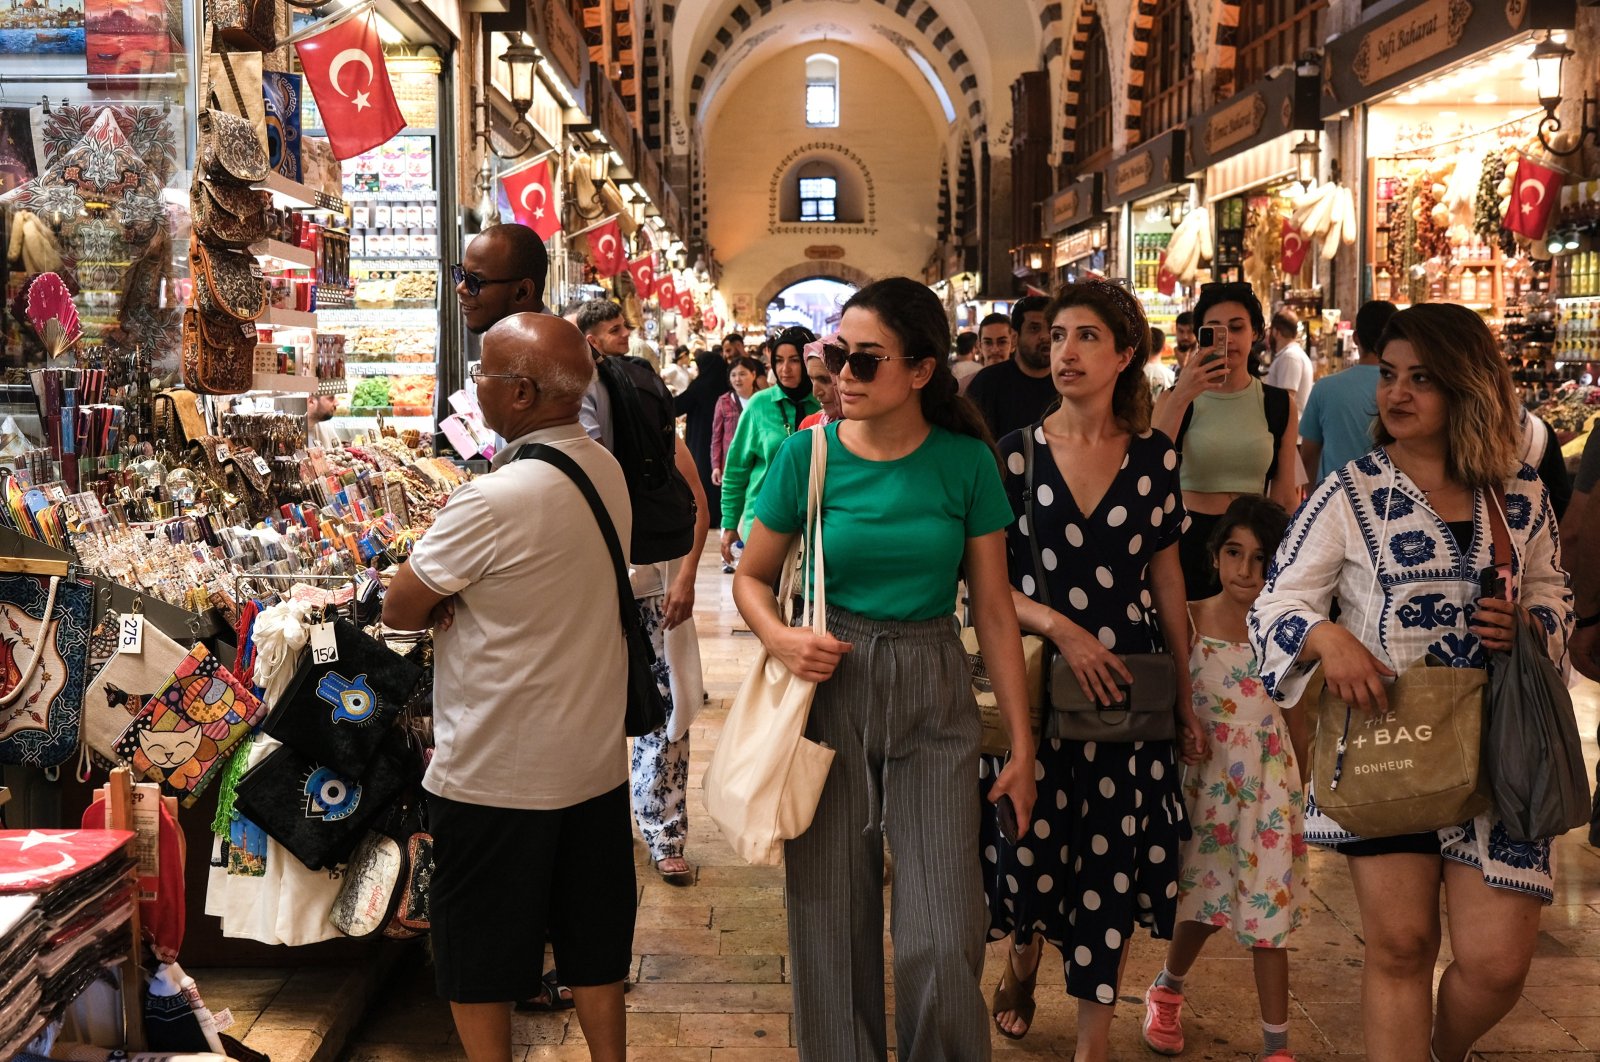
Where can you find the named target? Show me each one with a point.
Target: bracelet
(1586, 621)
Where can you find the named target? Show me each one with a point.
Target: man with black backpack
(629, 410)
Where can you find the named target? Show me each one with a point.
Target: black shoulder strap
(1183, 428)
(1038, 561)
(1275, 404)
(550, 455)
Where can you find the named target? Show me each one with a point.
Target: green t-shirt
(893, 532)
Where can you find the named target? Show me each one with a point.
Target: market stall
(1149, 193)
(1079, 232)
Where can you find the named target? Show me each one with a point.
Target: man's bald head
(535, 370)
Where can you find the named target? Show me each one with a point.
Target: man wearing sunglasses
(502, 273)
(1015, 393)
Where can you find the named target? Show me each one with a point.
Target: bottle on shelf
(1383, 285)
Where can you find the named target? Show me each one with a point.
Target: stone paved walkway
(711, 969)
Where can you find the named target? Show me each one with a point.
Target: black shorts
(1406, 843)
(505, 880)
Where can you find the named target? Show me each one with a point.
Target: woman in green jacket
(769, 417)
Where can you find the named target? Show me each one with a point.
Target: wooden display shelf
(296, 194)
(279, 381)
(280, 318)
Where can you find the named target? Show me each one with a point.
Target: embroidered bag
(229, 148)
(247, 23)
(227, 284)
(411, 917)
(226, 215)
(121, 689)
(44, 653)
(218, 359)
(317, 814)
(183, 736)
(338, 713)
(235, 80)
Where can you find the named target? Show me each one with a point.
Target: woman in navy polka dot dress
(1102, 855)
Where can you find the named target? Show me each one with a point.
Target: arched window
(1094, 100)
(822, 90)
(819, 192)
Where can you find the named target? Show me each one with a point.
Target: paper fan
(52, 313)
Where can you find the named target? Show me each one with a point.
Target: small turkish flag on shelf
(358, 107)
(605, 248)
(644, 275)
(666, 290)
(532, 198)
(1535, 192)
(1295, 248)
(686, 303)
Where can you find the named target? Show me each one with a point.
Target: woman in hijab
(770, 417)
(822, 383)
(698, 405)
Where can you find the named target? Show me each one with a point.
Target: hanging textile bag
(766, 777)
(226, 215)
(338, 713)
(371, 886)
(236, 79)
(121, 689)
(228, 286)
(45, 623)
(1532, 752)
(229, 149)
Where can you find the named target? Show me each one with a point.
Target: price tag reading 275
(130, 634)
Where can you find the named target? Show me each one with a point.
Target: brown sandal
(1015, 993)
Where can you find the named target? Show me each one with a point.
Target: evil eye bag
(45, 625)
(339, 713)
(316, 813)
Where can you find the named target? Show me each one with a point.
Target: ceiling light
(1486, 97)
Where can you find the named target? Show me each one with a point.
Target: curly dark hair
(1121, 312)
(1261, 516)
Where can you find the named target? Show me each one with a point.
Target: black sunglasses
(473, 282)
(863, 366)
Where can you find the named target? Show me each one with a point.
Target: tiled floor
(711, 972)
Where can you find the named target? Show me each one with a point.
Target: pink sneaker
(1163, 1020)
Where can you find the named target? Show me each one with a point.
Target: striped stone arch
(1077, 41)
(820, 269)
(1139, 28)
(1050, 31)
(920, 13)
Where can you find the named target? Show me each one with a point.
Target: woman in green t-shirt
(913, 499)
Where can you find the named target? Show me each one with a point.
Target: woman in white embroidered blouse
(1418, 507)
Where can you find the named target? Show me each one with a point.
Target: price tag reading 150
(324, 647)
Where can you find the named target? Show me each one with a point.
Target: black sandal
(551, 999)
(1015, 993)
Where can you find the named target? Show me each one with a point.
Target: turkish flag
(532, 201)
(605, 248)
(1535, 192)
(711, 320)
(358, 108)
(40, 860)
(686, 303)
(1166, 280)
(643, 269)
(1295, 248)
(666, 290)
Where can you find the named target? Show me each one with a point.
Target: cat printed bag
(122, 688)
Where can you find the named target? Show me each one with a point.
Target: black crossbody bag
(1148, 703)
(647, 709)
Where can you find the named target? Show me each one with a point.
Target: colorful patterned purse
(371, 887)
(44, 658)
(121, 689)
(183, 736)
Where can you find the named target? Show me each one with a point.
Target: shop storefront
(1078, 231)
(1148, 193)
(1254, 154)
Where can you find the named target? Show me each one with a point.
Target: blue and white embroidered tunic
(1370, 516)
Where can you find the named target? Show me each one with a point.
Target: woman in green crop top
(912, 501)
(1235, 435)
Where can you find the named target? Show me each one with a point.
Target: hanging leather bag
(229, 150)
(766, 777)
(227, 216)
(227, 284)
(218, 359)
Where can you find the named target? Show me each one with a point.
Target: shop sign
(1423, 36)
(1267, 110)
(613, 115)
(826, 252)
(1147, 171)
(563, 43)
(1071, 206)
(1078, 245)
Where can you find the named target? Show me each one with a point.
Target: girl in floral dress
(1244, 866)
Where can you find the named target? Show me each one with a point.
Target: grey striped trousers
(900, 715)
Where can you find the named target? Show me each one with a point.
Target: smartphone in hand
(1006, 812)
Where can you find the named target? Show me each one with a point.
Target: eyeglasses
(863, 366)
(473, 282)
(475, 373)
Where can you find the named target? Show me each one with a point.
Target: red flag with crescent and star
(606, 252)
(1534, 195)
(532, 201)
(686, 305)
(643, 269)
(345, 71)
(666, 290)
(39, 860)
(1295, 248)
(1166, 279)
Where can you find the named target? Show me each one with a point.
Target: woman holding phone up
(1234, 434)
(912, 499)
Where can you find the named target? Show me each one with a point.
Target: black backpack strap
(1275, 403)
(1038, 560)
(1183, 428)
(550, 455)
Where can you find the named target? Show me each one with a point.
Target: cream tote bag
(765, 778)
